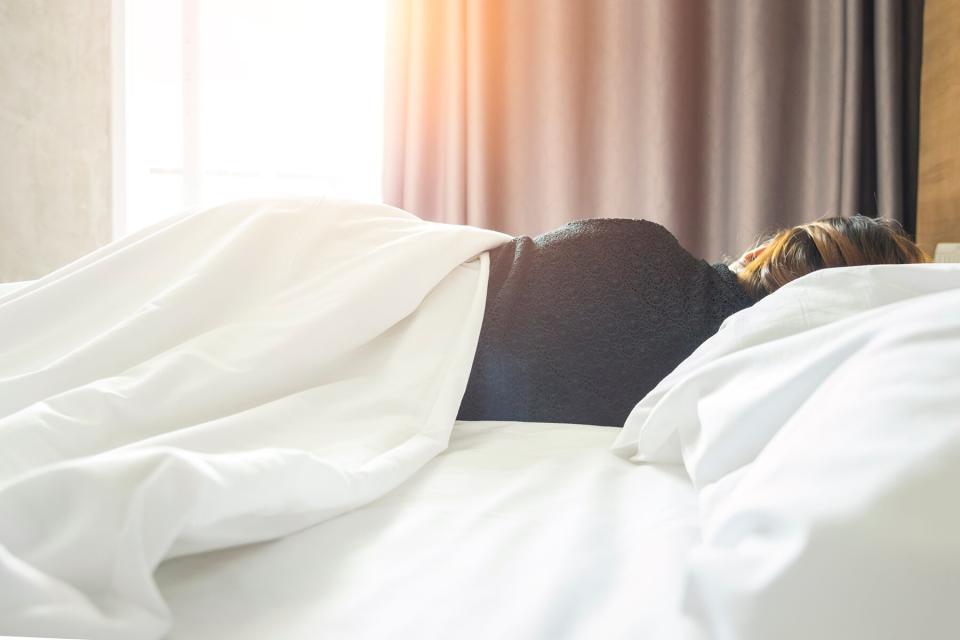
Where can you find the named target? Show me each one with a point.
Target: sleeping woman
(582, 322)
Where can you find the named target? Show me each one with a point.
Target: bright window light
(227, 99)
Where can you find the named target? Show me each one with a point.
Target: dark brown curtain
(721, 120)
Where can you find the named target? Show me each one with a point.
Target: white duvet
(223, 378)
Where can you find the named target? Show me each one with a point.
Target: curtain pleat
(721, 120)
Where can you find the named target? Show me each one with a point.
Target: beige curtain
(719, 119)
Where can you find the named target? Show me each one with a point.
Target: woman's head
(822, 244)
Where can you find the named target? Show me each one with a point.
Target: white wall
(55, 157)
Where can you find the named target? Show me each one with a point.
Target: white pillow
(743, 373)
(845, 524)
(822, 430)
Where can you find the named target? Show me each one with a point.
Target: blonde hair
(823, 244)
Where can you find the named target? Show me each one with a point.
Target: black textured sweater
(582, 322)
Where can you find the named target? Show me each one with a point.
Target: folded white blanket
(219, 379)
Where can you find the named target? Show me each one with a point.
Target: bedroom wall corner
(55, 156)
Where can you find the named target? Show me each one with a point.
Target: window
(226, 99)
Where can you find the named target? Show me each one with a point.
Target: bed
(216, 449)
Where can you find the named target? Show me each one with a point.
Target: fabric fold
(223, 378)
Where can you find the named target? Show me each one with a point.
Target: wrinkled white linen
(222, 378)
(10, 287)
(827, 460)
(516, 530)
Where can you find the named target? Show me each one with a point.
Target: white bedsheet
(530, 531)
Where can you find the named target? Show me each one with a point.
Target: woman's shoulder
(615, 245)
(612, 229)
(619, 224)
(615, 236)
